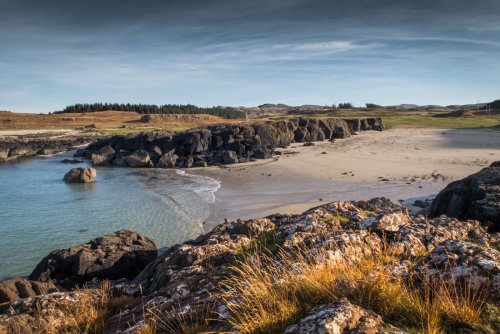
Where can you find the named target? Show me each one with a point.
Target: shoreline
(402, 164)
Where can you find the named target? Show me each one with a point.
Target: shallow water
(40, 213)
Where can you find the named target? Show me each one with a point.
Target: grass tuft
(267, 294)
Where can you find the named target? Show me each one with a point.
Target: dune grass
(267, 294)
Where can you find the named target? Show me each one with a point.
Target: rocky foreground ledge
(220, 145)
(343, 267)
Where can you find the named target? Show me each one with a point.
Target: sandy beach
(399, 164)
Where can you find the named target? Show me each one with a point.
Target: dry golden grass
(267, 294)
(182, 322)
(105, 121)
(87, 315)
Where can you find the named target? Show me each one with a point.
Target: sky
(55, 53)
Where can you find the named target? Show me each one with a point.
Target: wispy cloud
(247, 52)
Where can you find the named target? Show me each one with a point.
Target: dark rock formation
(17, 288)
(80, 175)
(139, 158)
(218, 145)
(119, 255)
(17, 147)
(475, 197)
(167, 160)
(103, 155)
(71, 161)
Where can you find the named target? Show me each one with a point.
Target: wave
(191, 194)
(203, 185)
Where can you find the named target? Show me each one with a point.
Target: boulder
(340, 128)
(262, 154)
(341, 317)
(386, 223)
(375, 124)
(457, 261)
(80, 175)
(474, 197)
(122, 254)
(18, 288)
(21, 151)
(119, 160)
(139, 158)
(229, 157)
(103, 156)
(354, 124)
(4, 153)
(167, 160)
(267, 134)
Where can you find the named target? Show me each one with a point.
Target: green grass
(425, 121)
(265, 243)
(409, 119)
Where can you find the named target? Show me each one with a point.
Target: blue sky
(227, 52)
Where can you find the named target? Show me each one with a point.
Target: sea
(40, 213)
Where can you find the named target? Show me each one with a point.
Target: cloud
(226, 51)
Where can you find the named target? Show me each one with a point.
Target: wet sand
(398, 164)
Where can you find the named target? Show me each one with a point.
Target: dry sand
(398, 164)
(23, 132)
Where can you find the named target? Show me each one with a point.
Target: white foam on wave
(204, 186)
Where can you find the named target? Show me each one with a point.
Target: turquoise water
(40, 213)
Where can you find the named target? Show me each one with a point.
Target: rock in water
(80, 175)
(475, 197)
(122, 254)
(71, 161)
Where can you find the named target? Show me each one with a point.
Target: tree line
(224, 112)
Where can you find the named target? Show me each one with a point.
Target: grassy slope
(126, 122)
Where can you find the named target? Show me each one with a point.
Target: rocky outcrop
(341, 317)
(475, 197)
(80, 175)
(17, 147)
(102, 156)
(458, 261)
(19, 288)
(139, 158)
(167, 160)
(189, 282)
(119, 255)
(48, 313)
(219, 145)
(185, 280)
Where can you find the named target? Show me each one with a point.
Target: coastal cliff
(342, 267)
(218, 145)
